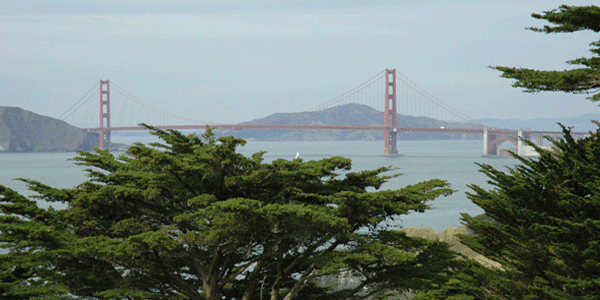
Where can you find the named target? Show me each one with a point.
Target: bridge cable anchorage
(330, 103)
(436, 101)
(137, 100)
(68, 112)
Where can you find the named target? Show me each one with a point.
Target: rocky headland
(25, 131)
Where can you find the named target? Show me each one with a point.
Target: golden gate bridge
(380, 92)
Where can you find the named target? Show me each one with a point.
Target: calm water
(452, 160)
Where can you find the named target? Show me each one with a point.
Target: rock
(449, 236)
(422, 232)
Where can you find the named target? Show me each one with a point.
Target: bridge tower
(390, 114)
(104, 115)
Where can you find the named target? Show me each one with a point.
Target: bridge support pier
(485, 141)
(520, 150)
(493, 138)
(390, 118)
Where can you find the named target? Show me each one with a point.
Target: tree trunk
(210, 283)
(277, 283)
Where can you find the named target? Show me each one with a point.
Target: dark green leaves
(579, 80)
(570, 19)
(543, 220)
(190, 218)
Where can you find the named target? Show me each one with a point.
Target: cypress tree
(190, 218)
(542, 218)
(583, 79)
(546, 221)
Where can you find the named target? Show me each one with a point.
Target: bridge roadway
(492, 138)
(330, 127)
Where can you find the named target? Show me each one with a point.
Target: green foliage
(542, 218)
(578, 80)
(191, 218)
(30, 239)
(541, 222)
(468, 281)
(547, 224)
(570, 19)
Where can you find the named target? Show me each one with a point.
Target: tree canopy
(542, 217)
(546, 222)
(190, 218)
(541, 223)
(585, 79)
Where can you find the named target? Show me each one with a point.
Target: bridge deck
(332, 127)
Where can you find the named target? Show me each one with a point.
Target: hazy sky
(232, 61)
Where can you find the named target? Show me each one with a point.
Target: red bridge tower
(390, 118)
(104, 115)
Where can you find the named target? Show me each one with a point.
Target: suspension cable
(137, 100)
(67, 113)
(436, 101)
(333, 101)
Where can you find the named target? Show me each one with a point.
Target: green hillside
(349, 114)
(25, 131)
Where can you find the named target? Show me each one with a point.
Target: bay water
(450, 160)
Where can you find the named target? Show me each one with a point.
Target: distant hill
(362, 115)
(349, 114)
(579, 123)
(25, 131)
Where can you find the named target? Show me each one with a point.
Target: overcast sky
(232, 61)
